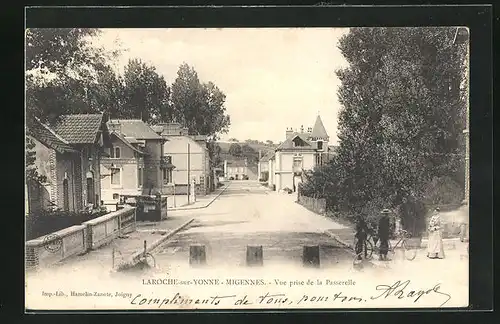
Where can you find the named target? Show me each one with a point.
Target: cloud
(272, 78)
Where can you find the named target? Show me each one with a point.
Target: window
(297, 164)
(139, 176)
(320, 145)
(167, 175)
(115, 152)
(319, 159)
(116, 196)
(115, 176)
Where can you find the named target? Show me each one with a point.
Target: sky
(273, 78)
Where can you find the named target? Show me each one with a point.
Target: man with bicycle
(384, 225)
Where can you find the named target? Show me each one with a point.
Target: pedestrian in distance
(361, 235)
(383, 234)
(435, 248)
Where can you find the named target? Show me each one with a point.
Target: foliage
(62, 68)
(200, 107)
(235, 150)
(400, 126)
(31, 170)
(146, 94)
(442, 191)
(214, 151)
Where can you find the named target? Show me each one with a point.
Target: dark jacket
(384, 227)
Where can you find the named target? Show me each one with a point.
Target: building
(68, 154)
(133, 163)
(186, 157)
(300, 151)
(236, 169)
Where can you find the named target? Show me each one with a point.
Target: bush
(443, 191)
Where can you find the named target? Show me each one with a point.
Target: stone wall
(78, 239)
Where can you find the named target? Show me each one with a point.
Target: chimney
(114, 126)
(289, 132)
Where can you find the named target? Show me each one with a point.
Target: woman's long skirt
(435, 247)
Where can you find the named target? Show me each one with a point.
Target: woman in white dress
(435, 249)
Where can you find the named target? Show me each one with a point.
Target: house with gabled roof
(187, 159)
(133, 162)
(68, 154)
(300, 151)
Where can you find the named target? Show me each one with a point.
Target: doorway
(65, 195)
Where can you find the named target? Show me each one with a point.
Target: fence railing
(317, 205)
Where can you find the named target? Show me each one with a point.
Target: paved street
(249, 214)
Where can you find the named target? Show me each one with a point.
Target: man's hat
(385, 211)
(437, 209)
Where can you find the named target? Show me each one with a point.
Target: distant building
(301, 151)
(179, 149)
(236, 169)
(132, 165)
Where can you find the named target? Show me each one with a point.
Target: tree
(269, 142)
(200, 107)
(145, 94)
(214, 152)
(232, 139)
(61, 66)
(235, 150)
(403, 105)
(62, 70)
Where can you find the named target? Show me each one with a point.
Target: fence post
(310, 256)
(197, 255)
(254, 255)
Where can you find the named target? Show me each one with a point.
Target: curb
(135, 258)
(201, 207)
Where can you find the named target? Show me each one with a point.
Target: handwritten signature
(400, 290)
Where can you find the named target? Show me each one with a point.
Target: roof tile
(79, 128)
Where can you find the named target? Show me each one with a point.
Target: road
(249, 214)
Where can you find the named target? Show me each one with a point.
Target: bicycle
(408, 252)
(371, 244)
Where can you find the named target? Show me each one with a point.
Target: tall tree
(403, 110)
(61, 66)
(198, 106)
(145, 93)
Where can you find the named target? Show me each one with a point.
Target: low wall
(317, 205)
(78, 239)
(57, 246)
(182, 189)
(104, 229)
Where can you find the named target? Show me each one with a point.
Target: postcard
(247, 168)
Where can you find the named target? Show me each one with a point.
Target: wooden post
(254, 255)
(197, 255)
(310, 256)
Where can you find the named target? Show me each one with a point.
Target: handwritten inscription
(401, 290)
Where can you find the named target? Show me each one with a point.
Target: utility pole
(188, 172)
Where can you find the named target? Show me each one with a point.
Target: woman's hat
(437, 209)
(385, 211)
